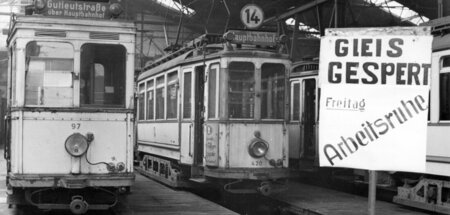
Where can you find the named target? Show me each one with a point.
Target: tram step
(198, 180)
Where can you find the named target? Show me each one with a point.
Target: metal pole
(372, 191)
(294, 36)
(141, 59)
(335, 13)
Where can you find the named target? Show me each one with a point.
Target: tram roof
(213, 51)
(69, 24)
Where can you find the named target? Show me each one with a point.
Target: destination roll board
(77, 9)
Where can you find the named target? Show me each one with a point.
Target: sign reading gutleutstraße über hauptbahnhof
(374, 98)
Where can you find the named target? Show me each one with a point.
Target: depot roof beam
(295, 11)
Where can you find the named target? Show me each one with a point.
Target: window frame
(147, 89)
(216, 66)
(191, 114)
(294, 82)
(74, 84)
(442, 70)
(259, 91)
(139, 111)
(167, 88)
(157, 86)
(125, 76)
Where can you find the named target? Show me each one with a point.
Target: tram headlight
(115, 9)
(76, 145)
(120, 166)
(39, 5)
(258, 149)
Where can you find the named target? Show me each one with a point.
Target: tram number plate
(76, 126)
(257, 163)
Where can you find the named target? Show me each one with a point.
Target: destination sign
(252, 37)
(77, 9)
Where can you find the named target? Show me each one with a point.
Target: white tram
(215, 112)
(70, 110)
(432, 192)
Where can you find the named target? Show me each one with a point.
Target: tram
(70, 106)
(215, 112)
(432, 191)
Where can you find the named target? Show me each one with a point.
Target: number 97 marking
(76, 126)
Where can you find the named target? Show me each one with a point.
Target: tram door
(308, 119)
(199, 114)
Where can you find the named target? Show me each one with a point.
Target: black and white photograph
(205, 107)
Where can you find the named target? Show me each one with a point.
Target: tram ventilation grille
(47, 33)
(103, 36)
(306, 67)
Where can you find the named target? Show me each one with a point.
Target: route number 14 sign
(252, 16)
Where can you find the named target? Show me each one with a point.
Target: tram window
(444, 83)
(172, 95)
(212, 89)
(141, 102)
(187, 86)
(103, 72)
(272, 91)
(159, 97)
(241, 90)
(48, 74)
(295, 111)
(150, 100)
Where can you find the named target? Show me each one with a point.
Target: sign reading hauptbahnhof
(77, 9)
(374, 98)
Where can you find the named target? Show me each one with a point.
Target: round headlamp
(40, 4)
(115, 9)
(76, 145)
(228, 36)
(258, 149)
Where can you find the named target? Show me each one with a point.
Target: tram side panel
(42, 148)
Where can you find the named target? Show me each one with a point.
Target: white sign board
(252, 16)
(374, 98)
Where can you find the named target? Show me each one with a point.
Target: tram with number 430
(70, 106)
(215, 111)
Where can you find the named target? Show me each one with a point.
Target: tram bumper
(248, 173)
(71, 181)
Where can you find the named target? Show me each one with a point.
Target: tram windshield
(102, 76)
(268, 84)
(48, 74)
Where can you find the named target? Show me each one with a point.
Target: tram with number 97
(215, 111)
(70, 108)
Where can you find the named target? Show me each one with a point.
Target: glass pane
(241, 90)
(212, 80)
(160, 98)
(187, 86)
(444, 95)
(272, 91)
(296, 102)
(141, 102)
(172, 95)
(446, 61)
(103, 73)
(150, 100)
(49, 67)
